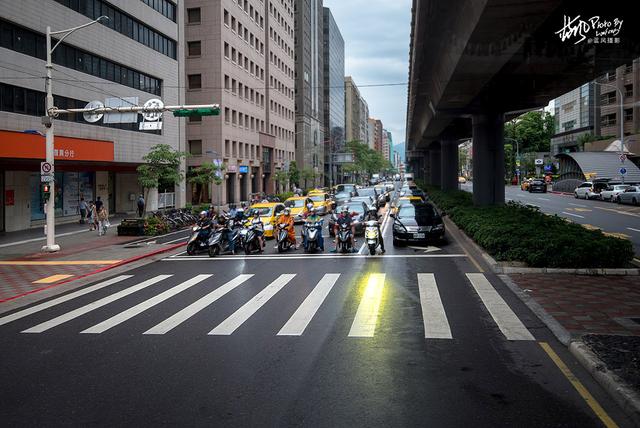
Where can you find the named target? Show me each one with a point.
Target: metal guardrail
(166, 200)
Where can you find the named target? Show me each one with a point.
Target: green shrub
(514, 232)
(284, 196)
(155, 226)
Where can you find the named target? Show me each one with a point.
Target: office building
(91, 159)
(356, 113)
(240, 54)
(309, 83)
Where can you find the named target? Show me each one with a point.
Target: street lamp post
(49, 131)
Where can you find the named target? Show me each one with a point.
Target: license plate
(419, 236)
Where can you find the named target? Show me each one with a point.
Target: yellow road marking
(617, 235)
(58, 263)
(584, 393)
(51, 279)
(590, 227)
(582, 210)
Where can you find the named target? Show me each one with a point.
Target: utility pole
(47, 121)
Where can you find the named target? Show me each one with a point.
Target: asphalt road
(620, 220)
(405, 339)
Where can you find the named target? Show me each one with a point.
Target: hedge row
(514, 232)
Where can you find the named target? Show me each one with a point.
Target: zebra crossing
(364, 322)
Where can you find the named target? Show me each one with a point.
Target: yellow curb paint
(58, 263)
(51, 279)
(617, 235)
(584, 393)
(590, 227)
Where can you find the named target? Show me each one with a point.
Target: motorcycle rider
(345, 217)
(286, 218)
(259, 229)
(313, 217)
(204, 221)
(372, 215)
(224, 222)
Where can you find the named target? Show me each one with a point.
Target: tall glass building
(334, 115)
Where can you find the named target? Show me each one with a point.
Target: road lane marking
(247, 310)
(57, 263)
(578, 205)
(307, 310)
(436, 325)
(507, 321)
(544, 199)
(186, 313)
(575, 382)
(42, 306)
(311, 256)
(364, 324)
(635, 230)
(184, 238)
(51, 279)
(94, 305)
(582, 210)
(141, 307)
(618, 211)
(572, 215)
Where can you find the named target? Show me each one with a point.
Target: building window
(608, 120)
(195, 147)
(195, 81)
(165, 7)
(628, 114)
(195, 119)
(194, 48)
(193, 15)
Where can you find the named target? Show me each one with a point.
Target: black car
(538, 186)
(360, 208)
(417, 222)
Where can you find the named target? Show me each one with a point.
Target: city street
(421, 335)
(620, 220)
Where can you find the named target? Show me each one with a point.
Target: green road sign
(197, 112)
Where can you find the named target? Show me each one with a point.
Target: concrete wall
(126, 184)
(18, 216)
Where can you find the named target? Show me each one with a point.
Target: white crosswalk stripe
(364, 324)
(95, 305)
(303, 315)
(180, 317)
(230, 325)
(370, 301)
(46, 305)
(507, 321)
(139, 308)
(436, 325)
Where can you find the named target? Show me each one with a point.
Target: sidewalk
(600, 314)
(24, 269)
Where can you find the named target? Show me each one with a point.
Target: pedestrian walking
(83, 210)
(99, 204)
(93, 216)
(103, 220)
(140, 206)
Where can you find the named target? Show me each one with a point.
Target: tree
(161, 167)
(306, 175)
(533, 131)
(294, 173)
(205, 174)
(281, 178)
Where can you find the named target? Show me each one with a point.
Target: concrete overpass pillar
(488, 158)
(449, 165)
(435, 167)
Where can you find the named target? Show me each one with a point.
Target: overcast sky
(376, 37)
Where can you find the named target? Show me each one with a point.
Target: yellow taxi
(298, 207)
(269, 212)
(405, 200)
(321, 202)
(316, 191)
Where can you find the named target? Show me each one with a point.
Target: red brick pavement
(586, 304)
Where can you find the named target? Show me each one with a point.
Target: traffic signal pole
(178, 111)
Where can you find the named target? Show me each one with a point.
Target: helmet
(286, 211)
(345, 209)
(203, 213)
(313, 210)
(310, 205)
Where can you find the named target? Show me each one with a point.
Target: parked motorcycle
(199, 240)
(313, 232)
(372, 236)
(344, 238)
(282, 236)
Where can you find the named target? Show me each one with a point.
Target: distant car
(537, 186)
(341, 197)
(588, 190)
(418, 222)
(358, 207)
(419, 193)
(368, 200)
(462, 180)
(298, 207)
(371, 191)
(611, 192)
(347, 188)
(631, 195)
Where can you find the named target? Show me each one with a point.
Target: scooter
(312, 231)
(218, 242)
(344, 238)
(282, 236)
(371, 236)
(248, 238)
(199, 240)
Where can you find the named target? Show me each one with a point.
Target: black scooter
(199, 240)
(219, 244)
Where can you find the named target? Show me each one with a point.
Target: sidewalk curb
(627, 399)
(103, 269)
(555, 192)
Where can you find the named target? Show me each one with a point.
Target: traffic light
(46, 192)
(197, 112)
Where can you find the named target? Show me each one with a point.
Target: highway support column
(488, 158)
(449, 165)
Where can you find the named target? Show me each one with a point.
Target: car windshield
(366, 192)
(317, 198)
(622, 187)
(343, 195)
(346, 187)
(358, 208)
(296, 203)
(262, 211)
(416, 211)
